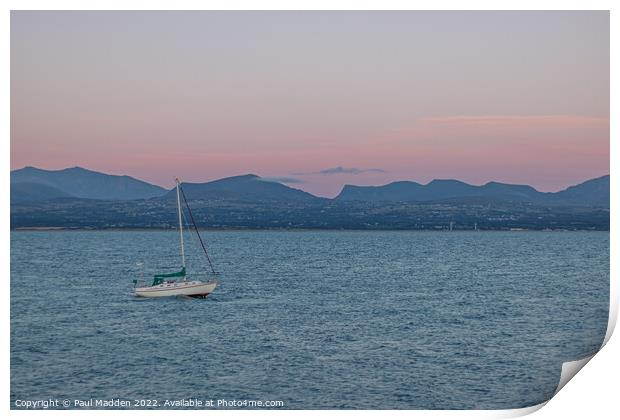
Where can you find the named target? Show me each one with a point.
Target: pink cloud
(518, 120)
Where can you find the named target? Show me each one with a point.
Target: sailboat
(177, 284)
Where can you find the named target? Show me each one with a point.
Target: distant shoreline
(241, 229)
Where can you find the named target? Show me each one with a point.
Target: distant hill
(244, 187)
(595, 192)
(439, 189)
(81, 183)
(27, 192)
(592, 193)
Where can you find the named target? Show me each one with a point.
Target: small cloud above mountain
(353, 171)
(339, 170)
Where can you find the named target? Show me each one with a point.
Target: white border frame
(596, 383)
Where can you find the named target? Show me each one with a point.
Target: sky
(314, 99)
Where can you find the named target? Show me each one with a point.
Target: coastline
(243, 229)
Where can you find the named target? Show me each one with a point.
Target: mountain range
(592, 193)
(31, 185)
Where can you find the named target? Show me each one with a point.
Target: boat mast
(180, 223)
(191, 216)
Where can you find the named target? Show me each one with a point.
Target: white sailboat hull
(182, 288)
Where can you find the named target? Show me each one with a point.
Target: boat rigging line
(191, 216)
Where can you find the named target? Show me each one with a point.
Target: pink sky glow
(516, 97)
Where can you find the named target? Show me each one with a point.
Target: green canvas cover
(159, 278)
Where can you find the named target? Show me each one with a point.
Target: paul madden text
(56, 403)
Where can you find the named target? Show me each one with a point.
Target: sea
(309, 319)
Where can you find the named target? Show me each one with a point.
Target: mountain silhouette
(78, 198)
(243, 187)
(594, 192)
(437, 189)
(81, 183)
(32, 184)
(27, 192)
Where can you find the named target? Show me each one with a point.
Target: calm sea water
(315, 319)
